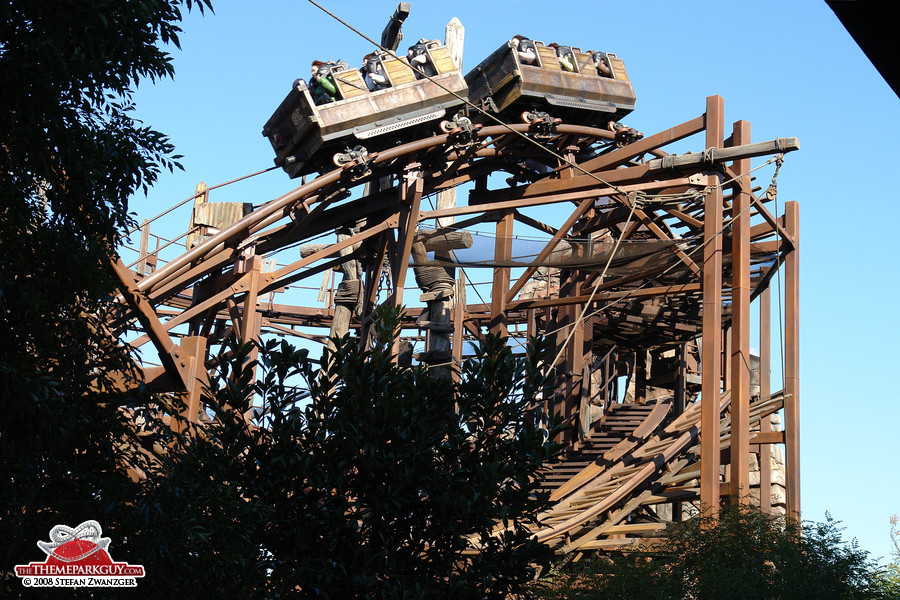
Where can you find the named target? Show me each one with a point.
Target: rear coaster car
(505, 84)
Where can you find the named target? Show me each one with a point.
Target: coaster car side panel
(304, 135)
(514, 87)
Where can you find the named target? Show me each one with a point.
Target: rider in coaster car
(565, 55)
(525, 49)
(321, 83)
(373, 73)
(418, 57)
(601, 63)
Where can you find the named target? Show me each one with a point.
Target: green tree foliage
(892, 571)
(372, 484)
(742, 555)
(71, 154)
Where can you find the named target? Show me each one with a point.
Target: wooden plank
(350, 84)
(547, 56)
(440, 57)
(398, 71)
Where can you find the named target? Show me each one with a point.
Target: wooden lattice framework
(687, 307)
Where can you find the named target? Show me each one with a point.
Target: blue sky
(788, 67)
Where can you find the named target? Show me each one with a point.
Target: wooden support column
(502, 253)
(574, 361)
(373, 278)
(194, 348)
(410, 197)
(710, 459)
(459, 317)
(145, 244)
(170, 354)
(680, 380)
(792, 363)
(726, 354)
(740, 324)
(250, 318)
(641, 360)
(765, 388)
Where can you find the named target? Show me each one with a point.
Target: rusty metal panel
(390, 106)
(585, 97)
(293, 120)
(220, 214)
(299, 128)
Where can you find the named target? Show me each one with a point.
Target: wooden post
(250, 319)
(459, 317)
(454, 38)
(193, 347)
(502, 253)
(740, 324)
(201, 196)
(680, 380)
(410, 197)
(765, 388)
(792, 363)
(710, 459)
(145, 243)
(574, 362)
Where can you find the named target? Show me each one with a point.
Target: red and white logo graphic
(78, 557)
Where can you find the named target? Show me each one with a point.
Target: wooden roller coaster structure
(645, 269)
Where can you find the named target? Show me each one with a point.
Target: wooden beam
(712, 324)
(410, 198)
(792, 363)
(622, 155)
(502, 254)
(768, 437)
(765, 388)
(582, 208)
(740, 324)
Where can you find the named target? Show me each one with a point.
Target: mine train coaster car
(583, 97)
(307, 137)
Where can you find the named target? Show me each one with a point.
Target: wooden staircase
(618, 423)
